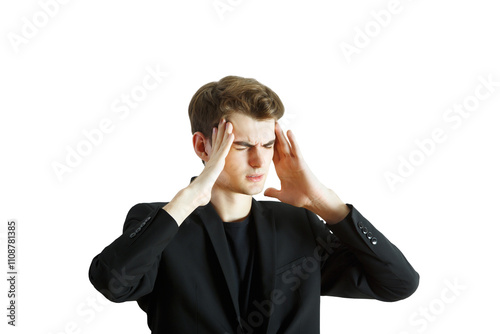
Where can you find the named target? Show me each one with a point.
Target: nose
(256, 158)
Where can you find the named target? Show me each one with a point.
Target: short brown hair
(231, 94)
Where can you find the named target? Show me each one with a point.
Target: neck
(231, 207)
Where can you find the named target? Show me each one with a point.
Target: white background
(355, 117)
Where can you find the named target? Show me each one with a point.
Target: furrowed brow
(242, 143)
(246, 144)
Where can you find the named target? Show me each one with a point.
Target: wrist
(329, 207)
(195, 195)
(183, 203)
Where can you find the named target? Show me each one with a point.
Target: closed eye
(244, 145)
(244, 148)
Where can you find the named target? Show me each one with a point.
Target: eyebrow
(246, 144)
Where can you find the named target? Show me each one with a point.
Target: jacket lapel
(266, 247)
(215, 230)
(265, 252)
(217, 235)
(265, 255)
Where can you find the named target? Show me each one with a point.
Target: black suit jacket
(181, 275)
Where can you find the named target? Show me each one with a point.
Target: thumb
(271, 192)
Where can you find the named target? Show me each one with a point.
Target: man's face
(248, 160)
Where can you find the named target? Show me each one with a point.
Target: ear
(202, 146)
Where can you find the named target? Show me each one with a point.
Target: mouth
(255, 177)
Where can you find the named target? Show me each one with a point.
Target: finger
(272, 192)
(229, 127)
(214, 136)
(276, 155)
(280, 144)
(219, 133)
(228, 138)
(222, 131)
(283, 145)
(293, 144)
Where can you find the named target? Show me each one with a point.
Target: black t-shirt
(241, 240)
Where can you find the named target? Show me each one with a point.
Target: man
(215, 260)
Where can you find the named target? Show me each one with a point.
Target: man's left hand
(299, 186)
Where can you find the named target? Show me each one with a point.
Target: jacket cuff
(355, 227)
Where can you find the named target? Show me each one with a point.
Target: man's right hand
(222, 139)
(199, 192)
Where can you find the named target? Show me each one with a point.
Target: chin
(255, 189)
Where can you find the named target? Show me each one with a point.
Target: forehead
(252, 130)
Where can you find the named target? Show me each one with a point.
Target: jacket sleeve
(358, 261)
(126, 269)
